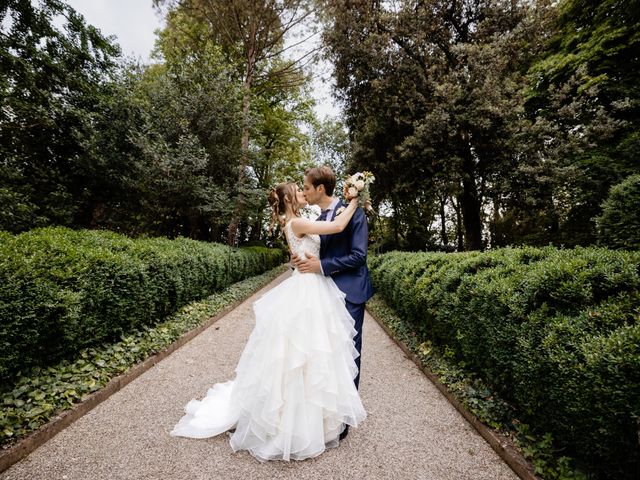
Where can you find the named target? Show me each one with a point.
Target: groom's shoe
(344, 433)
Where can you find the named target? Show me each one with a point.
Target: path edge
(24, 447)
(502, 445)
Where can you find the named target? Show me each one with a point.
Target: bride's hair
(278, 198)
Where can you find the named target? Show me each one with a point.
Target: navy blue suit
(344, 258)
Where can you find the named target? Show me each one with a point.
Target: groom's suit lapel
(335, 210)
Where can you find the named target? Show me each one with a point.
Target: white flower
(357, 185)
(340, 210)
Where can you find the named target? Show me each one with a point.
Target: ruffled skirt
(293, 393)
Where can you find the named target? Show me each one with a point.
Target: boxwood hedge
(45, 392)
(556, 332)
(63, 290)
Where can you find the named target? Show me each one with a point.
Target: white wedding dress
(294, 391)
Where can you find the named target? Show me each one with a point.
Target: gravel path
(411, 431)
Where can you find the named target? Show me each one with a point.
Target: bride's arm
(301, 226)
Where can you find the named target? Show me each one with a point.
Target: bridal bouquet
(358, 185)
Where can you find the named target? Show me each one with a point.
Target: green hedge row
(46, 392)
(556, 332)
(63, 290)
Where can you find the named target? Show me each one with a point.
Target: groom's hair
(322, 176)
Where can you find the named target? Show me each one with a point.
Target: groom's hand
(294, 260)
(310, 265)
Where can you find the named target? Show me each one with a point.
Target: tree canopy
(486, 123)
(52, 81)
(491, 122)
(90, 139)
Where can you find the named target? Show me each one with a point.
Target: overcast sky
(133, 23)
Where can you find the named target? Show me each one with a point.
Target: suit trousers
(357, 313)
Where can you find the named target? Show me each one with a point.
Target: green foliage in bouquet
(555, 332)
(63, 290)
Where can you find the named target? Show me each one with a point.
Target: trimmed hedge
(63, 290)
(36, 398)
(556, 332)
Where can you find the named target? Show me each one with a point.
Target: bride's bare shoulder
(298, 221)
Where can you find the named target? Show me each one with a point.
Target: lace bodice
(307, 243)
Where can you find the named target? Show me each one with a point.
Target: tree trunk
(215, 229)
(244, 160)
(232, 235)
(497, 238)
(256, 228)
(443, 222)
(470, 200)
(459, 230)
(195, 226)
(396, 226)
(98, 211)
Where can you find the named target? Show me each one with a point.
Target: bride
(293, 393)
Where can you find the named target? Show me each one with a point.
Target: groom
(343, 256)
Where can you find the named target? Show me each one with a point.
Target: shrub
(63, 290)
(619, 224)
(556, 332)
(46, 392)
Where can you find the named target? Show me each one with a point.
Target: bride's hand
(348, 196)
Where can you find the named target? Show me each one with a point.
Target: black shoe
(344, 433)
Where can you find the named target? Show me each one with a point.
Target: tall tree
(432, 91)
(583, 105)
(277, 114)
(252, 34)
(281, 146)
(188, 146)
(52, 80)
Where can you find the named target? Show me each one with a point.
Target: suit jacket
(344, 257)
